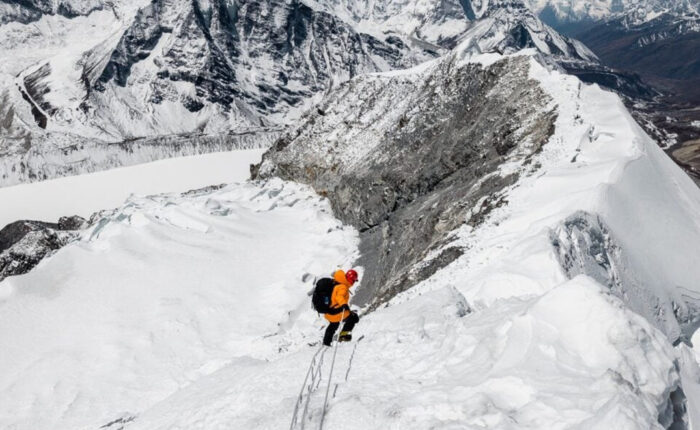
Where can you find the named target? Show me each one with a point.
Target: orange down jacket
(340, 296)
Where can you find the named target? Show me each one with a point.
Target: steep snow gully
(544, 289)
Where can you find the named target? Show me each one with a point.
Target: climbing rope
(330, 374)
(313, 380)
(315, 360)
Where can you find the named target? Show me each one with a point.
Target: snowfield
(189, 311)
(51, 199)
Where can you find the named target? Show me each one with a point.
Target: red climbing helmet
(351, 276)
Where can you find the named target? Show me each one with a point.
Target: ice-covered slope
(572, 358)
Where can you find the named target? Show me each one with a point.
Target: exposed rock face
(408, 158)
(508, 26)
(253, 58)
(23, 244)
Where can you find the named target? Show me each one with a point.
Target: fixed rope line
(330, 374)
(300, 398)
(313, 386)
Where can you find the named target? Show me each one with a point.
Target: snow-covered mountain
(206, 71)
(527, 260)
(170, 78)
(527, 252)
(500, 209)
(27, 11)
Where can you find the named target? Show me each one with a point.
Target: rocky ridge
(407, 158)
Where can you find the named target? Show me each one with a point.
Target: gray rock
(26, 11)
(407, 159)
(23, 244)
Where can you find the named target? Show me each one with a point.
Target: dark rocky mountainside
(663, 51)
(181, 68)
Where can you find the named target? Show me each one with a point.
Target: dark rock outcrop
(663, 51)
(23, 244)
(430, 148)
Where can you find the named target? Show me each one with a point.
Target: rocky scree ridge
(408, 158)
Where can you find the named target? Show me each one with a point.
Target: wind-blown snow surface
(161, 317)
(162, 292)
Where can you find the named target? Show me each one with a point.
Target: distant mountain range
(659, 40)
(87, 85)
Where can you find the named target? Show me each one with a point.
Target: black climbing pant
(348, 324)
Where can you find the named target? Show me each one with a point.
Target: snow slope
(160, 293)
(49, 200)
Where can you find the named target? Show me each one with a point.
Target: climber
(337, 310)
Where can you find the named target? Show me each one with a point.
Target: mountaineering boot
(345, 336)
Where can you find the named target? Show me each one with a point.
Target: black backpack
(321, 298)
